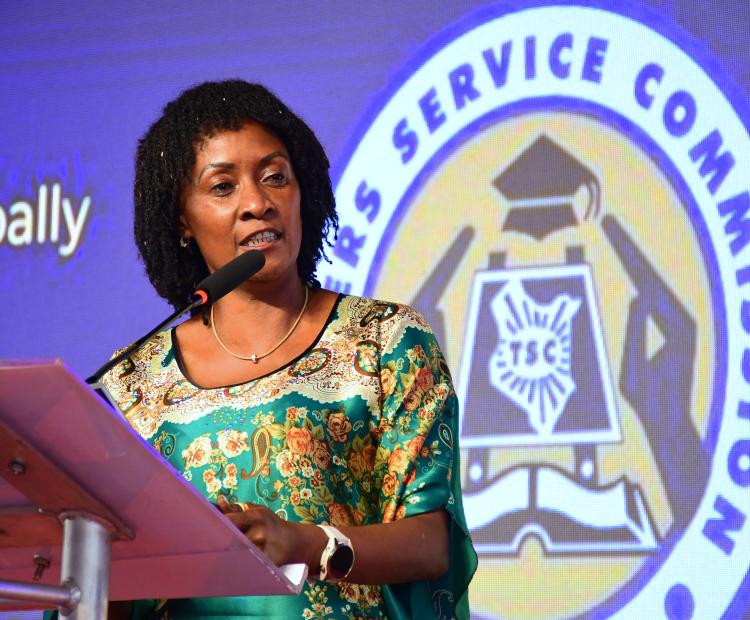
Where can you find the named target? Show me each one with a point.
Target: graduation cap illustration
(541, 184)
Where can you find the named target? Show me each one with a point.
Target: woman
(287, 405)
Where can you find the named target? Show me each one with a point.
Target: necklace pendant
(254, 358)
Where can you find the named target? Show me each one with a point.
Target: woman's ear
(183, 227)
(184, 230)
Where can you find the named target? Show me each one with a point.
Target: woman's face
(243, 195)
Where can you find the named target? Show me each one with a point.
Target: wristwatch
(337, 558)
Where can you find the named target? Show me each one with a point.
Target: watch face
(341, 562)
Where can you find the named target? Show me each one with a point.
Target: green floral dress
(360, 429)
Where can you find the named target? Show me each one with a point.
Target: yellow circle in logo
(540, 190)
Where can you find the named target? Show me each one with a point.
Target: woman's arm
(409, 549)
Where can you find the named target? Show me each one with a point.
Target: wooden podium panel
(62, 448)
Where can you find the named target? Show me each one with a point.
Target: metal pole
(85, 563)
(28, 592)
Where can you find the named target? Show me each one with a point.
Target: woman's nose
(254, 204)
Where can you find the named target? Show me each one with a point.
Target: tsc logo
(546, 361)
(568, 212)
(531, 362)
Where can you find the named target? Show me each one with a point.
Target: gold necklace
(254, 358)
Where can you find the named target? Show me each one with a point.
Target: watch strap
(338, 543)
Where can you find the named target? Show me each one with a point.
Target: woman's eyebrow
(271, 156)
(229, 165)
(218, 164)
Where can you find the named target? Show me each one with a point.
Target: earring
(184, 241)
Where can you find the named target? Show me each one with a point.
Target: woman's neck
(252, 325)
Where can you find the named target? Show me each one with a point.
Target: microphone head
(230, 276)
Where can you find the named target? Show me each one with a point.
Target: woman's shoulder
(385, 322)
(367, 310)
(148, 362)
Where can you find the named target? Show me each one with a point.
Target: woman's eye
(223, 188)
(278, 178)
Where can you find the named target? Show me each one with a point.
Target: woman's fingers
(261, 526)
(251, 519)
(227, 508)
(223, 504)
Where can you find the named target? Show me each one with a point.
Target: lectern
(89, 512)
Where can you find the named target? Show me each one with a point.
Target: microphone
(209, 290)
(222, 281)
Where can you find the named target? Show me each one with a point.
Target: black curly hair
(165, 159)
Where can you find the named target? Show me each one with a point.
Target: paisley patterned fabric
(359, 429)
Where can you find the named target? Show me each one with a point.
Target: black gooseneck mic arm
(134, 346)
(210, 289)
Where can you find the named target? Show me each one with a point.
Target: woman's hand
(273, 536)
(406, 550)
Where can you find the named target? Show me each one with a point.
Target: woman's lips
(261, 238)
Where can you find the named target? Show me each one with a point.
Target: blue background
(80, 82)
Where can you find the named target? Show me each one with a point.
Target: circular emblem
(569, 211)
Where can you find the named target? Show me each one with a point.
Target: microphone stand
(93, 380)
(212, 288)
